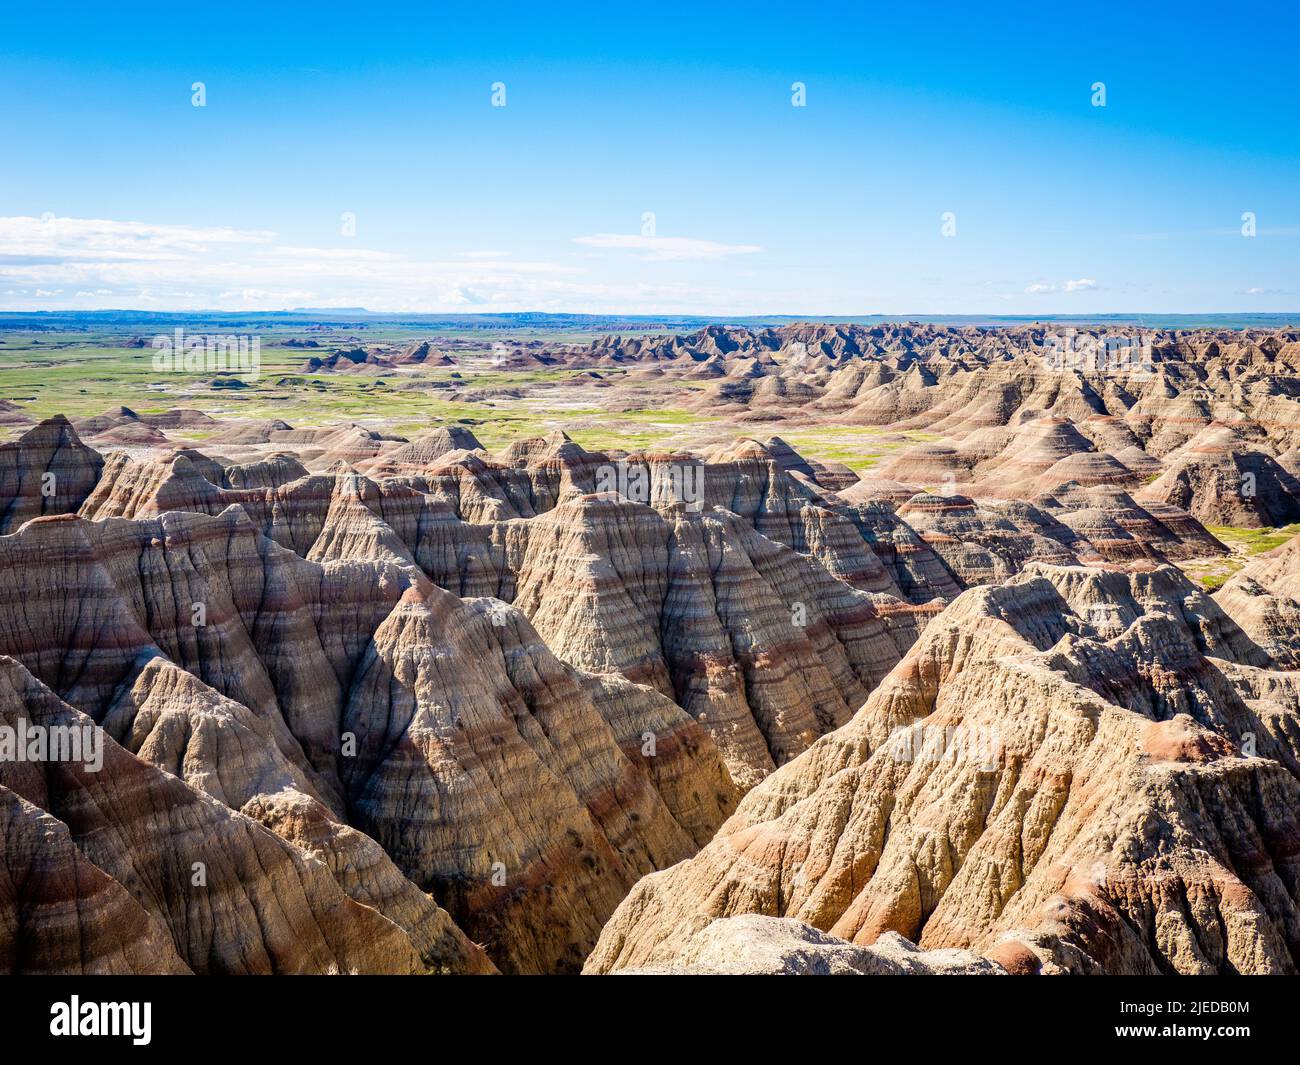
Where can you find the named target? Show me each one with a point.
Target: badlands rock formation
(126, 868)
(364, 703)
(758, 607)
(1264, 599)
(363, 360)
(1020, 412)
(1075, 771)
(318, 699)
(737, 585)
(48, 471)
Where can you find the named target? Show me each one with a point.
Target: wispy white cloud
(96, 263)
(54, 238)
(1082, 284)
(667, 248)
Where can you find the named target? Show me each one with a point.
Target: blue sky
(116, 192)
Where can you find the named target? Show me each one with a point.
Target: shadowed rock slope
(321, 702)
(1263, 597)
(124, 868)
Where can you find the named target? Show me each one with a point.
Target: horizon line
(701, 316)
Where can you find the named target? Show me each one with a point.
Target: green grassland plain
(85, 373)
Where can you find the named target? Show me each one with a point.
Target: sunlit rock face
(1079, 771)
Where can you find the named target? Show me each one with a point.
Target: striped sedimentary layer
(419, 746)
(1079, 771)
(767, 619)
